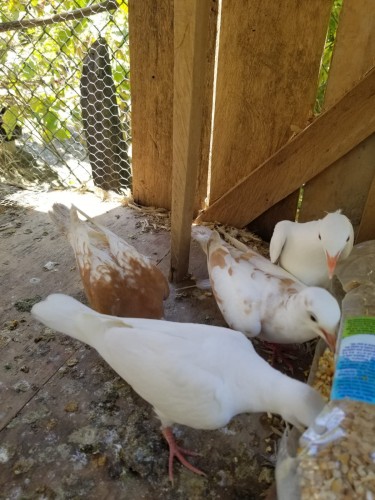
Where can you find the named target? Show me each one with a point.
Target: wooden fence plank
(354, 55)
(269, 56)
(264, 225)
(366, 229)
(151, 78)
(344, 184)
(191, 19)
(332, 135)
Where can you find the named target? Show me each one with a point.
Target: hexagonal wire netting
(65, 94)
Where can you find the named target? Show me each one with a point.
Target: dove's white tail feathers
(59, 312)
(201, 234)
(63, 217)
(105, 232)
(204, 234)
(87, 217)
(236, 243)
(67, 315)
(215, 241)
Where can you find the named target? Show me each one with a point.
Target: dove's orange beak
(331, 263)
(330, 339)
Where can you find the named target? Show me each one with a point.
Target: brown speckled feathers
(117, 279)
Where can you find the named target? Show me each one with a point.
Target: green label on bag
(355, 366)
(359, 325)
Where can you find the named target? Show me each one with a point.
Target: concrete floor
(69, 426)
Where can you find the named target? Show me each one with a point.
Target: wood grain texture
(191, 19)
(269, 56)
(346, 183)
(332, 135)
(366, 229)
(151, 78)
(264, 225)
(354, 52)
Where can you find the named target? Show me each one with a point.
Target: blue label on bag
(355, 366)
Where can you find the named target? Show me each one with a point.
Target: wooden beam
(190, 47)
(346, 183)
(328, 138)
(151, 79)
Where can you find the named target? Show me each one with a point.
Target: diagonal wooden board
(328, 138)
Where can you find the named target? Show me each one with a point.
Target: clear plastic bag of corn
(335, 458)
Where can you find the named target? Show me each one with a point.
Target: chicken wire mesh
(65, 94)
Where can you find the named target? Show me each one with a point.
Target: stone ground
(69, 426)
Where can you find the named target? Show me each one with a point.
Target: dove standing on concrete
(195, 375)
(310, 250)
(117, 279)
(260, 299)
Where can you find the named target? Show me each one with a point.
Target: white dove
(311, 250)
(117, 279)
(260, 299)
(195, 375)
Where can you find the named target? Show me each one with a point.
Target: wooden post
(190, 48)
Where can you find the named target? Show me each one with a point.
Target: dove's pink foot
(178, 452)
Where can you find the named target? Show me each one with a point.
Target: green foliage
(9, 120)
(327, 54)
(40, 67)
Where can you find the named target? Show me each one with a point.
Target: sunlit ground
(90, 203)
